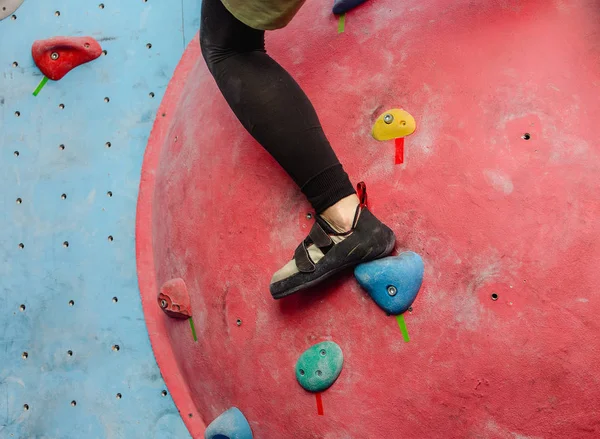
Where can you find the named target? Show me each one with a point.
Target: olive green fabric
(264, 14)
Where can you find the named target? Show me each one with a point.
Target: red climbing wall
(498, 192)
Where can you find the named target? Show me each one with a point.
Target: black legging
(271, 105)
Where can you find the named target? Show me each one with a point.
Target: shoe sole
(330, 273)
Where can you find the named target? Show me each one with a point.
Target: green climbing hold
(319, 366)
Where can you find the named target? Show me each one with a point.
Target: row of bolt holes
(118, 396)
(62, 106)
(57, 13)
(66, 243)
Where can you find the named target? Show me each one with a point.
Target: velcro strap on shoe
(319, 236)
(302, 259)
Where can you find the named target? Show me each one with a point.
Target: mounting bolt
(163, 303)
(54, 56)
(308, 215)
(392, 291)
(239, 322)
(388, 118)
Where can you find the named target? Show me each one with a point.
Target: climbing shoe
(326, 252)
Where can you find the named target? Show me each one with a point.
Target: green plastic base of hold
(319, 366)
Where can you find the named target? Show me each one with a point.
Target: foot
(329, 249)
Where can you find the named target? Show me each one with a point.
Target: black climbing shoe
(326, 252)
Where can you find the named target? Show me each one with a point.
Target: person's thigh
(221, 33)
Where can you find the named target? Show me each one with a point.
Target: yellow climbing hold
(393, 124)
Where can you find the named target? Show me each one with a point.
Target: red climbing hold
(57, 56)
(175, 300)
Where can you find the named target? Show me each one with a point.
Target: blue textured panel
(45, 275)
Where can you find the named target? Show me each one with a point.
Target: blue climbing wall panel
(75, 359)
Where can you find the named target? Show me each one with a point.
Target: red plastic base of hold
(400, 150)
(57, 56)
(319, 404)
(174, 299)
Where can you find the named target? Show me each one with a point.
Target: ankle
(340, 216)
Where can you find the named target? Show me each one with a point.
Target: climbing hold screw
(392, 291)
(318, 373)
(239, 322)
(301, 372)
(308, 215)
(494, 296)
(388, 118)
(163, 303)
(322, 352)
(54, 56)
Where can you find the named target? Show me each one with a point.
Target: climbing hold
(343, 6)
(231, 424)
(319, 366)
(7, 7)
(393, 124)
(174, 299)
(392, 282)
(57, 56)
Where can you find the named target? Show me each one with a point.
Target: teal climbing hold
(393, 282)
(319, 366)
(231, 424)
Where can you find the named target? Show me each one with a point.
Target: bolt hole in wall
(71, 302)
(494, 296)
(526, 136)
(116, 347)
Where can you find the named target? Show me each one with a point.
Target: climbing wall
(497, 190)
(75, 360)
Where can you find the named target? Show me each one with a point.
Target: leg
(275, 110)
(271, 106)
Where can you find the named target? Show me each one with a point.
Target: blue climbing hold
(343, 6)
(392, 282)
(231, 424)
